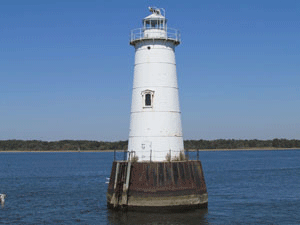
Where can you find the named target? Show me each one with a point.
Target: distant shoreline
(190, 150)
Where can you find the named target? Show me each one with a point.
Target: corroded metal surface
(157, 184)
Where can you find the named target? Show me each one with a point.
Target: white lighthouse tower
(156, 175)
(155, 125)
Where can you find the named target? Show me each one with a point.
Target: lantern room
(154, 25)
(156, 20)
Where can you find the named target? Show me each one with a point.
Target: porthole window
(148, 96)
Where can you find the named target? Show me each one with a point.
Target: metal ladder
(121, 185)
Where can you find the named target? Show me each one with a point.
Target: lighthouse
(155, 124)
(156, 174)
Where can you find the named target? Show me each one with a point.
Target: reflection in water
(2, 199)
(190, 217)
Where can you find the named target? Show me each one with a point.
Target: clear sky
(66, 68)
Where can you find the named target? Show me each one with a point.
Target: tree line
(241, 144)
(64, 145)
(82, 145)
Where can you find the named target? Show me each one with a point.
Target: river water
(244, 187)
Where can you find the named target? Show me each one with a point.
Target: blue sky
(66, 68)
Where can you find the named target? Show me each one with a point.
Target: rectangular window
(147, 96)
(148, 100)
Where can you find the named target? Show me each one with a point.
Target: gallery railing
(143, 34)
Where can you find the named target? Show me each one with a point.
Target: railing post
(124, 154)
(114, 154)
(197, 154)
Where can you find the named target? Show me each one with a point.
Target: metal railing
(125, 155)
(167, 34)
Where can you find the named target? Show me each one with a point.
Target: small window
(147, 96)
(148, 100)
(148, 25)
(154, 24)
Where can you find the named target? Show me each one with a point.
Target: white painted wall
(155, 131)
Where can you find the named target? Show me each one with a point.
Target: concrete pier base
(153, 186)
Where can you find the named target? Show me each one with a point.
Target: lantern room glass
(154, 24)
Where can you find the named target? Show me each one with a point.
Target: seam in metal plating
(154, 87)
(158, 136)
(154, 62)
(156, 111)
(146, 49)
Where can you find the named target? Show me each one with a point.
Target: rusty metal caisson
(156, 185)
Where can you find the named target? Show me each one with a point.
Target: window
(154, 24)
(148, 100)
(147, 96)
(148, 24)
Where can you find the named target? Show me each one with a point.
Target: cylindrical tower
(155, 125)
(156, 175)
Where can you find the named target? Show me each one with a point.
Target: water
(244, 187)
